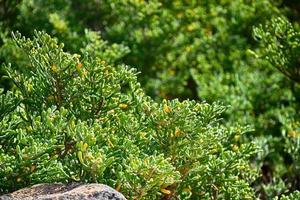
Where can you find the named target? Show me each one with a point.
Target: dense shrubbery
(80, 119)
(224, 51)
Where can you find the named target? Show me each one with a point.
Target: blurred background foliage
(244, 53)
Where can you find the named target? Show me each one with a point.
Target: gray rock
(65, 192)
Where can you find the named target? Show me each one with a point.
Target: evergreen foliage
(85, 96)
(81, 119)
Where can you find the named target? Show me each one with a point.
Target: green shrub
(280, 46)
(202, 50)
(72, 118)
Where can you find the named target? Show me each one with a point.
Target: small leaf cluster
(293, 196)
(281, 46)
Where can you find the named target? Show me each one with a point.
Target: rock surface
(65, 192)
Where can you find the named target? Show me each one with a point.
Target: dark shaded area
(294, 6)
(8, 15)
